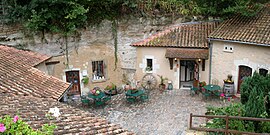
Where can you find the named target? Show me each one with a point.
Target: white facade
(161, 66)
(227, 61)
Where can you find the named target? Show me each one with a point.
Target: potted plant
(162, 85)
(111, 89)
(229, 79)
(96, 91)
(85, 80)
(202, 84)
(148, 69)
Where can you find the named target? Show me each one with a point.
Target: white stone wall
(226, 61)
(161, 64)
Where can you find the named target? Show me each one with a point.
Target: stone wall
(130, 29)
(90, 44)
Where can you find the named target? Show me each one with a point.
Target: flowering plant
(201, 84)
(15, 125)
(95, 91)
(112, 86)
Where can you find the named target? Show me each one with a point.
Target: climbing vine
(114, 34)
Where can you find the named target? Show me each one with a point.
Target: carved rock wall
(131, 29)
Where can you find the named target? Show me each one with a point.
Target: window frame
(96, 68)
(261, 70)
(152, 65)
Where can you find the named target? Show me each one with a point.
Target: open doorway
(188, 72)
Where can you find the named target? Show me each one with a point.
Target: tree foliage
(66, 16)
(22, 10)
(226, 8)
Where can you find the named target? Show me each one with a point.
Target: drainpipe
(210, 61)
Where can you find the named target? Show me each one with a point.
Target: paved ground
(164, 113)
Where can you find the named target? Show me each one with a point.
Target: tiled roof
(186, 53)
(19, 78)
(187, 35)
(25, 57)
(252, 30)
(71, 121)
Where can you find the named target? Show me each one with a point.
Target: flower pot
(162, 87)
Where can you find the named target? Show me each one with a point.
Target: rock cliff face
(129, 30)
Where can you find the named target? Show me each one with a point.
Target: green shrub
(255, 106)
(255, 99)
(255, 93)
(15, 126)
(264, 127)
(231, 110)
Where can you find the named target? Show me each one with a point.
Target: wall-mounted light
(199, 60)
(175, 59)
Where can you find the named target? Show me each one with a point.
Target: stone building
(239, 47)
(179, 53)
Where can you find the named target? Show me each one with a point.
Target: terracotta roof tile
(187, 35)
(20, 78)
(71, 121)
(186, 53)
(24, 57)
(252, 30)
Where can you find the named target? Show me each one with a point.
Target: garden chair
(215, 81)
(193, 91)
(107, 98)
(85, 101)
(206, 94)
(103, 100)
(217, 93)
(145, 96)
(131, 99)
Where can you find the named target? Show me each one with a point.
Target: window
(228, 48)
(98, 69)
(149, 65)
(263, 72)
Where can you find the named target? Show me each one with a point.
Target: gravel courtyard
(164, 113)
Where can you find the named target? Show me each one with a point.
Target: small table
(97, 98)
(132, 96)
(211, 87)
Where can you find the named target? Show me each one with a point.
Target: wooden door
(244, 71)
(73, 77)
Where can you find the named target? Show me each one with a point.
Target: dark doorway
(244, 71)
(73, 77)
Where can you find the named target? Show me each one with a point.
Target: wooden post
(171, 63)
(227, 125)
(190, 121)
